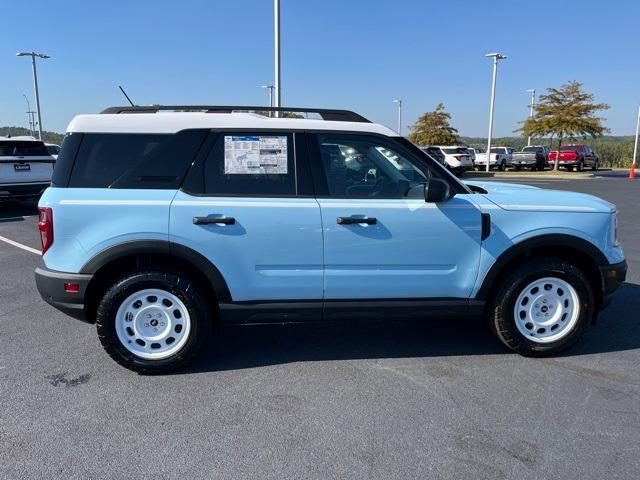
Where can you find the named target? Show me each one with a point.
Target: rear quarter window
(131, 160)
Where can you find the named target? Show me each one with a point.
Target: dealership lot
(390, 399)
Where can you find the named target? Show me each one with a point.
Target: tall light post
(399, 102)
(33, 56)
(635, 145)
(532, 105)
(276, 46)
(29, 117)
(496, 56)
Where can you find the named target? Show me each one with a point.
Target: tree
(433, 128)
(565, 112)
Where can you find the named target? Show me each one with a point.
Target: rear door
(23, 162)
(247, 205)
(381, 239)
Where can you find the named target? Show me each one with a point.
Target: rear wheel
(580, 166)
(153, 321)
(542, 307)
(595, 166)
(503, 166)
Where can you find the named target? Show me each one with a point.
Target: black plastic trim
(549, 240)
(164, 247)
(297, 311)
(486, 226)
(50, 284)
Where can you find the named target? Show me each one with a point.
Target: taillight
(45, 225)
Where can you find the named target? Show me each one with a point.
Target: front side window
(369, 166)
(251, 163)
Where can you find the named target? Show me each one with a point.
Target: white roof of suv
(162, 120)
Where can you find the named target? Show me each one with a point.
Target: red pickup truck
(576, 156)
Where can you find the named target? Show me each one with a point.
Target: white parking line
(19, 245)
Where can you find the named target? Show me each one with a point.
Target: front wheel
(542, 307)
(153, 321)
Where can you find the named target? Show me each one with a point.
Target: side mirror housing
(436, 190)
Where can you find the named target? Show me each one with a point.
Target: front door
(381, 239)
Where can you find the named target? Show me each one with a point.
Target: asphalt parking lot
(433, 399)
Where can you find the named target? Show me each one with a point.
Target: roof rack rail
(325, 113)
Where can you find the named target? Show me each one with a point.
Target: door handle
(357, 220)
(214, 220)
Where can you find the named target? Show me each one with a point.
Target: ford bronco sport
(162, 221)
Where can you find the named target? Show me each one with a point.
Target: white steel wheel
(152, 324)
(547, 310)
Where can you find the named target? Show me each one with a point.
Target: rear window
(497, 150)
(532, 149)
(116, 160)
(568, 149)
(23, 149)
(454, 151)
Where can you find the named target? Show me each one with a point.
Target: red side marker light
(72, 287)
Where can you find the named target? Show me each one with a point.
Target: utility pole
(276, 27)
(496, 57)
(635, 145)
(399, 102)
(33, 56)
(532, 105)
(29, 118)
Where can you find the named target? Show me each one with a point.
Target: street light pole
(29, 115)
(532, 91)
(33, 56)
(276, 28)
(635, 145)
(496, 57)
(399, 102)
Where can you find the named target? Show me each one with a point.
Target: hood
(513, 196)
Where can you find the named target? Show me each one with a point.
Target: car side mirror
(436, 190)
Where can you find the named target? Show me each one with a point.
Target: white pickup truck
(500, 158)
(25, 167)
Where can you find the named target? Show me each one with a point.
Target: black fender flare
(547, 240)
(136, 247)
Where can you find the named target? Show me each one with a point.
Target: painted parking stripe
(19, 245)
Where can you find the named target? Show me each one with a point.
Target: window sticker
(255, 154)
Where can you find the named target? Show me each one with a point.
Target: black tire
(502, 166)
(580, 166)
(172, 281)
(594, 168)
(501, 311)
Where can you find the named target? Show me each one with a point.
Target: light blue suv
(163, 221)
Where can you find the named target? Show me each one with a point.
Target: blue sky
(355, 54)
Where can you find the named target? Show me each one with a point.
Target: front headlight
(614, 230)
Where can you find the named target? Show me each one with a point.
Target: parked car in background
(456, 158)
(476, 151)
(500, 158)
(577, 156)
(53, 149)
(25, 167)
(534, 157)
(472, 154)
(435, 153)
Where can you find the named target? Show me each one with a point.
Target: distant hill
(48, 137)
